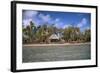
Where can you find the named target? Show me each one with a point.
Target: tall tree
(87, 35)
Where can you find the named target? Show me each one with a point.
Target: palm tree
(67, 34)
(32, 30)
(87, 35)
(71, 33)
(29, 31)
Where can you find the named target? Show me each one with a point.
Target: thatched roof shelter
(54, 36)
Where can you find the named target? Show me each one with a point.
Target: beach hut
(54, 38)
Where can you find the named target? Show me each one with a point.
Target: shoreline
(65, 44)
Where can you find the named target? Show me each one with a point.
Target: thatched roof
(54, 36)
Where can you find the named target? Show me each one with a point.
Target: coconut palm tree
(29, 31)
(87, 35)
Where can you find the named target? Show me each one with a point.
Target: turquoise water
(56, 53)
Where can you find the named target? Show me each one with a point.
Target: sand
(64, 44)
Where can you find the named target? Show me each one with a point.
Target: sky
(59, 19)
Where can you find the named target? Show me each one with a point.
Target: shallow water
(56, 53)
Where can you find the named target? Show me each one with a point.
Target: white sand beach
(64, 44)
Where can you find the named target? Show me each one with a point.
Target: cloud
(82, 23)
(66, 26)
(26, 22)
(57, 20)
(45, 18)
(29, 14)
(37, 22)
(85, 28)
(59, 24)
(39, 18)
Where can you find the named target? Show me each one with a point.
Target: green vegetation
(41, 34)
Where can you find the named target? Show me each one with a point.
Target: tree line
(41, 33)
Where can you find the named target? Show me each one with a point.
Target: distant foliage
(41, 33)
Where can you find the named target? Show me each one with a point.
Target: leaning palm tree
(32, 29)
(29, 31)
